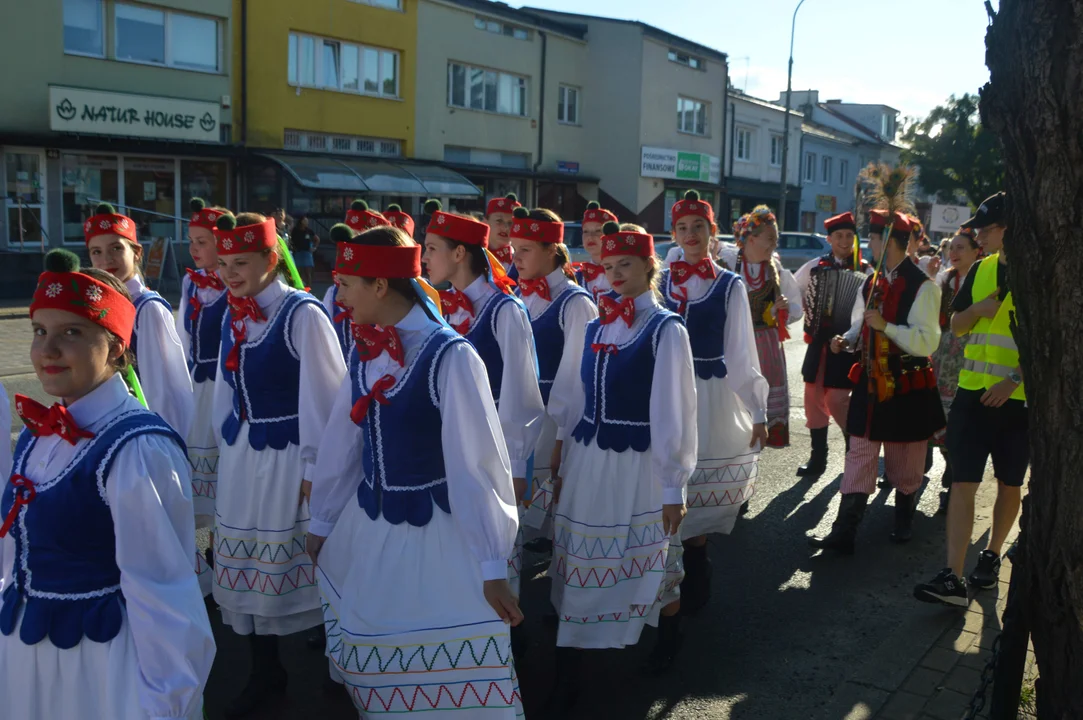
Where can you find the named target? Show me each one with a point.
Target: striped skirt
(773, 367)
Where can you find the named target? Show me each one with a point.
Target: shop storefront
(747, 194)
(682, 171)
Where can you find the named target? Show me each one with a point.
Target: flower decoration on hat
(506, 204)
(749, 223)
(692, 205)
(618, 242)
(360, 218)
(397, 218)
(106, 221)
(202, 216)
(63, 287)
(459, 229)
(595, 213)
(233, 240)
(543, 231)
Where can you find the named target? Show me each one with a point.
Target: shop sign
(568, 167)
(76, 110)
(826, 203)
(680, 165)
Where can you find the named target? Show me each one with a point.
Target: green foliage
(954, 152)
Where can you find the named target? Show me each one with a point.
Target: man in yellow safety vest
(988, 416)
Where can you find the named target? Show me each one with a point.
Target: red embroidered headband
(378, 261)
(62, 287)
(203, 216)
(627, 243)
(691, 205)
(360, 218)
(505, 205)
(396, 217)
(597, 214)
(109, 223)
(550, 233)
(247, 238)
(460, 229)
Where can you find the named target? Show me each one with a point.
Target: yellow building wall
(274, 105)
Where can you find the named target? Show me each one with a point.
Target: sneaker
(987, 573)
(946, 588)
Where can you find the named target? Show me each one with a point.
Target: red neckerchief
(503, 254)
(208, 281)
(453, 300)
(590, 270)
(373, 341)
(42, 421)
(539, 287)
(683, 271)
(343, 313)
(360, 408)
(609, 310)
(239, 309)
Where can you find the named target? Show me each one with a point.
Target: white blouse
(521, 408)
(673, 397)
(149, 491)
(479, 475)
(206, 296)
(577, 313)
(920, 336)
(739, 345)
(322, 368)
(163, 363)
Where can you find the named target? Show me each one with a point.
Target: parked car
(795, 249)
(573, 239)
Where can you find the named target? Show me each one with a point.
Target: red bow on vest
(55, 420)
(680, 294)
(607, 348)
(502, 254)
(239, 309)
(209, 281)
(590, 271)
(683, 271)
(539, 287)
(343, 313)
(361, 407)
(452, 301)
(373, 341)
(609, 310)
(24, 493)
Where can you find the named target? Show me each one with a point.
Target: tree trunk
(1034, 104)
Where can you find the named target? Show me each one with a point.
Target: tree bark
(1034, 104)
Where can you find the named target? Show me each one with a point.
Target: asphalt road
(783, 630)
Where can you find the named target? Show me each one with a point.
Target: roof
(876, 105)
(522, 16)
(737, 95)
(853, 123)
(825, 133)
(649, 30)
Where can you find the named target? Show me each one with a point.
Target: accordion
(829, 302)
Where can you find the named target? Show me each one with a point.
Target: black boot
(666, 646)
(905, 505)
(817, 462)
(844, 530)
(566, 690)
(208, 555)
(518, 642)
(267, 681)
(317, 640)
(696, 586)
(928, 459)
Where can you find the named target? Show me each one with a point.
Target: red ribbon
(197, 306)
(44, 421)
(609, 310)
(590, 270)
(453, 300)
(461, 328)
(607, 348)
(343, 313)
(361, 408)
(503, 254)
(239, 309)
(373, 342)
(683, 271)
(783, 318)
(680, 294)
(205, 281)
(24, 494)
(539, 287)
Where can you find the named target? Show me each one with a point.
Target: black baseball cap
(990, 212)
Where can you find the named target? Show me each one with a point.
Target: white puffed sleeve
(857, 319)
(579, 311)
(163, 368)
(742, 358)
(673, 414)
(337, 472)
(921, 334)
(568, 398)
(521, 407)
(149, 490)
(479, 476)
(792, 293)
(182, 333)
(322, 370)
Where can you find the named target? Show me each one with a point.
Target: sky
(840, 46)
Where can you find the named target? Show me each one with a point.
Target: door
(150, 186)
(24, 199)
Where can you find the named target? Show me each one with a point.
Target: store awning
(380, 177)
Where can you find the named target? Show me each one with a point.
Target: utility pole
(781, 210)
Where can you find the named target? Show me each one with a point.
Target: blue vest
(66, 578)
(266, 390)
(482, 335)
(205, 335)
(141, 302)
(706, 321)
(617, 410)
(400, 482)
(343, 328)
(548, 331)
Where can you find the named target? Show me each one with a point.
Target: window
(844, 170)
(157, 37)
(691, 116)
(389, 4)
(568, 105)
(776, 150)
(342, 67)
(340, 144)
(685, 59)
(887, 126)
(810, 167)
(492, 158)
(85, 177)
(744, 144)
(480, 89)
(825, 170)
(83, 27)
(501, 28)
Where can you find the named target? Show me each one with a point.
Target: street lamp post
(786, 127)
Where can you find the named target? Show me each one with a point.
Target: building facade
(119, 102)
(755, 145)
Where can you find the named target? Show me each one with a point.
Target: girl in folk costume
(159, 357)
(481, 307)
(499, 217)
(199, 326)
(775, 301)
(731, 393)
(591, 275)
(280, 366)
(102, 616)
(358, 219)
(397, 218)
(625, 411)
(436, 527)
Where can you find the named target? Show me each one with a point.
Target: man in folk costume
(826, 374)
(895, 402)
